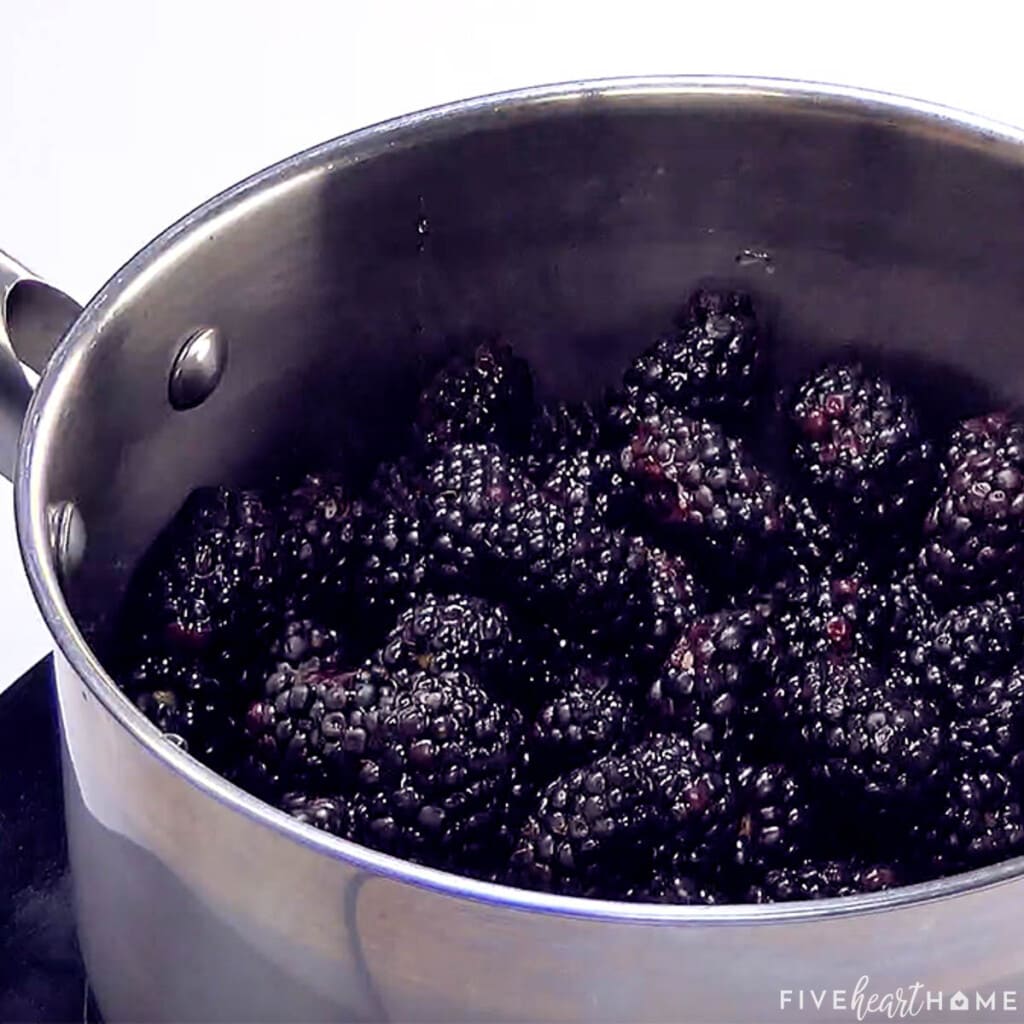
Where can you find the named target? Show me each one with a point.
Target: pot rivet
(67, 537)
(198, 368)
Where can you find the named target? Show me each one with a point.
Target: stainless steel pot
(290, 315)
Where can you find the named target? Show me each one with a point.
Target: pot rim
(174, 243)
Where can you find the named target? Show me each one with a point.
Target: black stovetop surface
(41, 974)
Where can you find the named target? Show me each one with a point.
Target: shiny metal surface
(571, 218)
(198, 368)
(33, 316)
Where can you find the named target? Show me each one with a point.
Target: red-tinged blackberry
(720, 665)
(559, 431)
(865, 733)
(182, 700)
(333, 814)
(315, 539)
(601, 821)
(436, 766)
(859, 444)
(591, 715)
(832, 615)
(978, 820)
(777, 817)
(452, 634)
(974, 533)
(815, 880)
(709, 366)
(986, 717)
(485, 397)
(310, 725)
(211, 580)
(702, 489)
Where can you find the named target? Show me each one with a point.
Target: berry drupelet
(858, 443)
(485, 397)
(974, 533)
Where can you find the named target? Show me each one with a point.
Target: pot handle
(33, 318)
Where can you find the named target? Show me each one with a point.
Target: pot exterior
(190, 911)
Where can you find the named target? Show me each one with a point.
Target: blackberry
(974, 533)
(585, 720)
(979, 434)
(591, 480)
(452, 634)
(815, 880)
(719, 666)
(866, 733)
(210, 584)
(625, 409)
(314, 540)
(674, 878)
(600, 822)
(986, 717)
(465, 491)
(302, 639)
(490, 528)
(391, 565)
(559, 431)
(709, 366)
(486, 397)
(309, 726)
(701, 488)
(333, 814)
(813, 542)
(777, 823)
(434, 766)
(955, 647)
(858, 443)
(978, 820)
(182, 700)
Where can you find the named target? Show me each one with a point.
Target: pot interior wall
(574, 228)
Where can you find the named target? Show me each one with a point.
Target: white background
(118, 117)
